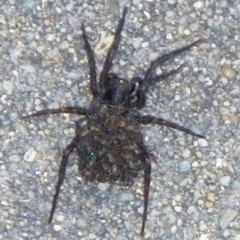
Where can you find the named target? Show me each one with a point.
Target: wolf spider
(108, 142)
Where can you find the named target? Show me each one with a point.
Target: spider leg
(113, 49)
(140, 87)
(91, 63)
(161, 77)
(70, 110)
(61, 174)
(160, 121)
(147, 180)
(165, 57)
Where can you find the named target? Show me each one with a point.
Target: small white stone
(173, 229)
(195, 164)
(50, 37)
(177, 97)
(60, 217)
(186, 153)
(178, 198)
(169, 36)
(237, 237)
(202, 142)
(28, 68)
(204, 237)
(219, 163)
(144, 44)
(104, 43)
(4, 203)
(2, 19)
(57, 227)
(198, 4)
(30, 155)
(171, 2)
(103, 186)
(92, 236)
(226, 233)
(147, 14)
(187, 32)
(178, 209)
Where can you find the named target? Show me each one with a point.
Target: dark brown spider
(108, 142)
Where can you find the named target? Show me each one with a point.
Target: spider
(108, 142)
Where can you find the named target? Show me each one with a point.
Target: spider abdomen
(109, 147)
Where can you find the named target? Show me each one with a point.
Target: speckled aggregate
(43, 64)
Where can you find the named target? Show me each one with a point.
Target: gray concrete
(195, 188)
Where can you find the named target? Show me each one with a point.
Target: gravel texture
(195, 188)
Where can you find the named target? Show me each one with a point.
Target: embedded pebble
(50, 37)
(53, 105)
(225, 181)
(184, 166)
(209, 174)
(57, 227)
(30, 155)
(28, 68)
(204, 237)
(126, 196)
(202, 226)
(237, 237)
(178, 198)
(92, 236)
(171, 2)
(208, 204)
(178, 208)
(184, 182)
(186, 153)
(82, 223)
(69, 7)
(211, 196)
(53, 53)
(55, 28)
(219, 163)
(191, 209)
(15, 158)
(63, 45)
(4, 203)
(2, 19)
(198, 4)
(47, 22)
(226, 217)
(173, 229)
(227, 72)
(104, 43)
(103, 186)
(226, 233)
(59, 217)
(202, 142)
(195, 164)
(147, 14)
(137, 42)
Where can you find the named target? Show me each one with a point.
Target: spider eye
(91, 154)
(107, 131)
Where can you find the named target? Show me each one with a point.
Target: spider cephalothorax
(108, 143)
